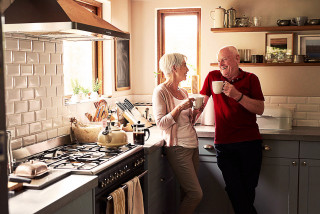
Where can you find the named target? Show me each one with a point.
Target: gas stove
(84, 158)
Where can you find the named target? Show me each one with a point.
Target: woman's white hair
(169, 60)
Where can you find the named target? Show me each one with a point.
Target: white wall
(282, 81)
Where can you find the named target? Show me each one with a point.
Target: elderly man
(237, 139)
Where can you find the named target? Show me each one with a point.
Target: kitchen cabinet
(309, 177)
(277, 191)
(215, 199)
(161, 190)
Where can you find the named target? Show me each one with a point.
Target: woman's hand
(186, 104)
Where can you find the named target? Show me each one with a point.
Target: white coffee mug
(217, 87)
(198, 102)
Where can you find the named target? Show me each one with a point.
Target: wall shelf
(271, 64)
(266, 29)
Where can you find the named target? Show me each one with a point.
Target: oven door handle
(124, 186)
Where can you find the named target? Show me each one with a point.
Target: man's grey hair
(231, 48)
(169, 60)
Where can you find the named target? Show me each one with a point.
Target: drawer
(280, 148)
(206, 146)
(310, 149)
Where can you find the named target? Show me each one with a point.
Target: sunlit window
(179, 31)
(78, 64)
(181, 36)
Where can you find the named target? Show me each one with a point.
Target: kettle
(218, 17)
(112, 138)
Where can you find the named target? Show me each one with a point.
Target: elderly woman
(173, 113)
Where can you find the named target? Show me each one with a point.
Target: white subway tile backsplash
(34, 105)
(20, 106)
(22, 130)
(63, 130)
(39, 70)
(28, 117)
(46, 124)
(25, 45)
(7, 56)
(13, 120)
(33, 81)
(50, 69)
(45, 81)
(52, 113)
(44, 58)
(38, 46)
(307, 108)
(27, 94)
(12, 69)
(51, 91)
(29, 140)
(9, 108)
(314, 100)
(32, 58)
(279, 100)
(20, 82)
(300, 115)
(313, 115)
(11, 44)
(13, 95)
(16, 144)
(49, 47)
(59, 47)
(12, 131)
(8, 82)
(56, 58)
(60, 90)
(46, 102)
(57, 101)
(313, 123)
(56, 80)
(18, 57)
(26, 70)
(60, 69)
(52, 133)
(40, 92)
(35, 127)
(40, 137)
(57, 122)
(297, 100)
(41, 115)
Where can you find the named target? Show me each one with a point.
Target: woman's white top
(187, 136)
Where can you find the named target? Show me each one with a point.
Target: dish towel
(118, 205)
(135, 197)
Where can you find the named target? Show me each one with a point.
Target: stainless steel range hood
(59, 20)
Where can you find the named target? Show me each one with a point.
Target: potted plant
(76, 87)
(95, 88)
(85, 92)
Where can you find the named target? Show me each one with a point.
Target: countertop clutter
(60, 194)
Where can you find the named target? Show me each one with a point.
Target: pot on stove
(112, 138)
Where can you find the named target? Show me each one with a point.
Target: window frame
(161, 14)
(97, 46)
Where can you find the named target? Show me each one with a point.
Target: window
(179, 31)
(83, 59)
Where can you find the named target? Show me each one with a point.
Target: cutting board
(14, 186)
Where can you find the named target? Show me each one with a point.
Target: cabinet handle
(304, 163)
(208, 147)
(266, 148)
(162, 179)
(294, 163)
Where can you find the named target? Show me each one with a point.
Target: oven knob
(108, 181)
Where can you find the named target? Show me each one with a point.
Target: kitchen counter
(296, 133)
(53, 197)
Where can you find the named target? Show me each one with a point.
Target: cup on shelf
(257, 58)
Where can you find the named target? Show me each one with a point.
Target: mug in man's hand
(217, 87)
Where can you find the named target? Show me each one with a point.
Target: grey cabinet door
(215, 199)
(309, 186)
(277, 191)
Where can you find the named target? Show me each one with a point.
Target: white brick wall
(34, 90)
